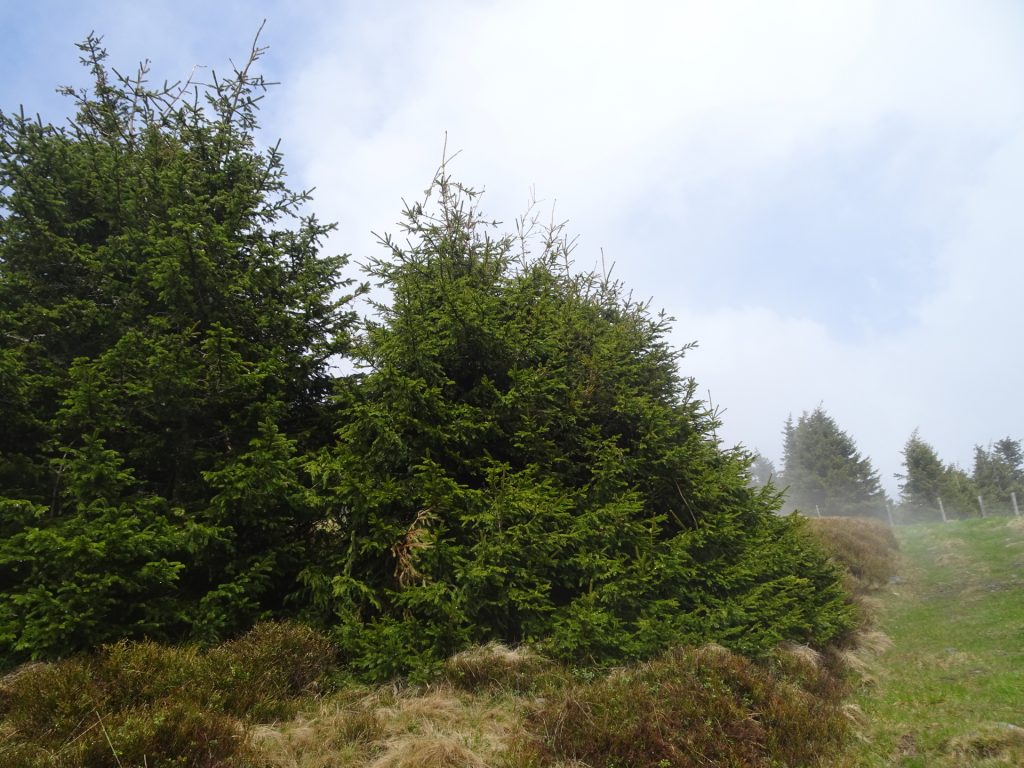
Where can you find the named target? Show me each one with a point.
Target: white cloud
(618, 109)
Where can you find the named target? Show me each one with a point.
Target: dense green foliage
(517, 456)
(825, 473)
(523, 461)
(164, 347)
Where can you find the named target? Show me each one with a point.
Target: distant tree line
(823, 473)
(930, 488)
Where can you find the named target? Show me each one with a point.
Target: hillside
(283, 696)
(950, 689)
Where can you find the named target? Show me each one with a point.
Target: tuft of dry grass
(496, 666)
(1001, 743)
(428, 752)
(434, 728)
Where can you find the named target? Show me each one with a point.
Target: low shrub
(693, 707)
(173, 733)
(50, 702)
(257, 675)
(137, 674)
(141, 703)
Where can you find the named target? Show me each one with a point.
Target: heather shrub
(134, 674)
(141, 703)
(256, 675)
(170, 733)
(47, 702)
(691, 707)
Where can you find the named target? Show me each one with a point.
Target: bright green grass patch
(950, 691)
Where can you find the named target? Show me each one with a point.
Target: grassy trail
(950, 690)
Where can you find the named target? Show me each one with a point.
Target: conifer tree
(926, 480)
(825, 473)
(762, 471)
(998, 473)
(166, 324)
(923, 478)
(959, 493)
(521, 460)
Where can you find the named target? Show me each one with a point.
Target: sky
(825, 196)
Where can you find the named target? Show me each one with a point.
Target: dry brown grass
(441, 751)
(995, 743)
(441, 727)
(698, 706)
(859, 659)
(496, 666)
(866, 549)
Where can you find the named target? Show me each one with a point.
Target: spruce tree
(825, 473)
(762, 471)
(522, 460)
(998, 473)
(926, 480)
(166, 326)
(923, 479)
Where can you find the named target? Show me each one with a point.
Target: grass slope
(950, 690)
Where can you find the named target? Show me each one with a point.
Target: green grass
(950, 690)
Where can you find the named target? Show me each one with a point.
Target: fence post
(888, 511)
(942, 509)
(817, 509)
(981, 503)
(1016, 509)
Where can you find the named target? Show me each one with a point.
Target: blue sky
(825, 195)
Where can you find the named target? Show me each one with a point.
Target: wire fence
(979, 506)
(940, 511)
